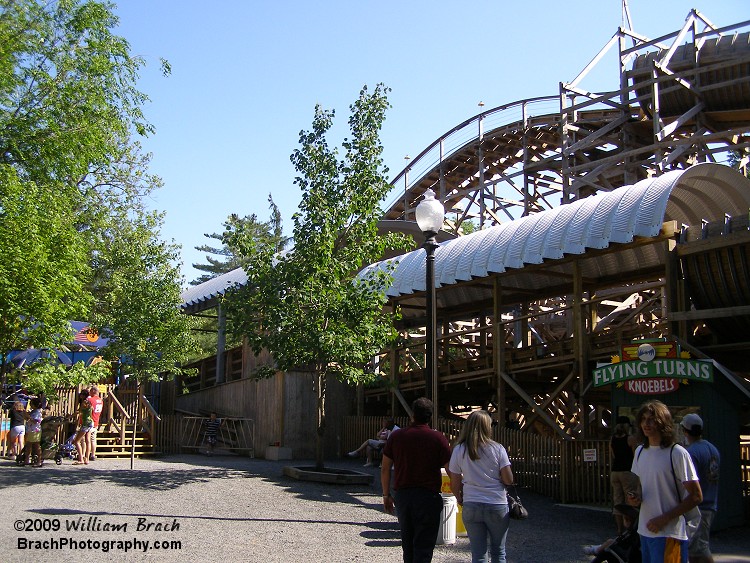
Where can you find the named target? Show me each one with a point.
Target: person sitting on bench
(371, 446)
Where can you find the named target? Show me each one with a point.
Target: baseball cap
(692, 422)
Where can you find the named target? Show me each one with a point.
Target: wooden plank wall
(283, 409)
(168, 434)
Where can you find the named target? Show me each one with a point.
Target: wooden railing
(147, 417)
(168, 434)
(235, 435)
(117, 417)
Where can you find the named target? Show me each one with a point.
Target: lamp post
(430, 216)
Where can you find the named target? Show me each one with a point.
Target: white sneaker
(368, 464)
(590, 549)
(353, 454)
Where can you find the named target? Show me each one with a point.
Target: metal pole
(431, 380)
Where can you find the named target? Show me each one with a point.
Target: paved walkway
(240, 509)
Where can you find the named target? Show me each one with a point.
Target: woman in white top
(479, 471)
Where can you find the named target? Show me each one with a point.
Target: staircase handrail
(147, 404)
(151, 417)
(115, 403)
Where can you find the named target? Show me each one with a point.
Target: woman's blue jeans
(485, 522)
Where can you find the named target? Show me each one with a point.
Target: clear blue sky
(246, 75)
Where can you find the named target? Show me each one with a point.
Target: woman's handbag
(516, 509)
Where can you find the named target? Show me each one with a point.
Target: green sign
(694, 370)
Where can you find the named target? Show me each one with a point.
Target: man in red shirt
(96, 410)
(417, 454)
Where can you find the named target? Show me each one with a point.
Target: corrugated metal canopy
(701, 192)
(203, 296)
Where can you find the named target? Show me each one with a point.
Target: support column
(498, 350)
(221, 345)
(674, 291)
(581, 342)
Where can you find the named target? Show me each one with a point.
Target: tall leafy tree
(306, 306)
(139, 291)
(41, 265)
(73, 180)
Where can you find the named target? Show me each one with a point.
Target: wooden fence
(543, 464)
(745, 469)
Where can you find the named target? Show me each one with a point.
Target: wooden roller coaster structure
(682, 99)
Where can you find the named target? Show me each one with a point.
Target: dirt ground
(197, 508)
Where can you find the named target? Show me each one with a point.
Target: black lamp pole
(430, 215)
(431, 380)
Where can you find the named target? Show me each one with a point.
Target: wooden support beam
(559, 389)
(498, 351)
(400, 397)
(525, 396)
(722, 369)
(701, 314)
(581, 339)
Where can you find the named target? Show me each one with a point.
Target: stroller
(626, 548)
(66, 451)
(48, 443)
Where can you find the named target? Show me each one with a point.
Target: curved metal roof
(701, 192)
(205, 295)
(201, 296)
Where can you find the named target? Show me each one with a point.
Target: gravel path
(238, 509)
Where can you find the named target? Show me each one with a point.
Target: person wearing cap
(706, 459)
(669, 487)
(621, 447)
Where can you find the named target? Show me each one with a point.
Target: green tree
(228, 258)
(41, 266)
(72, 181)
(306, 306)
(206, 326)
(139, 299)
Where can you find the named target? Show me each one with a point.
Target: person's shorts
(699, 542)
(17, 431)
(85, 429)
(33, 437)
(664, 550)
(622, 483)
(211, 440)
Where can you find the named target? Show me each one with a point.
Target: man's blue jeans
(418, 512)
(483, 521)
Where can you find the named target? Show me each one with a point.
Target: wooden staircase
(108, 444)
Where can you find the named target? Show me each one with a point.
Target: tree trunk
(321, 384)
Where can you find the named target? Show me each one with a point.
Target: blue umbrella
(34, 354)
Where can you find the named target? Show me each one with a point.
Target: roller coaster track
(681, 99)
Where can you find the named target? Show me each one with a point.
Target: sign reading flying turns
(694, 370)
